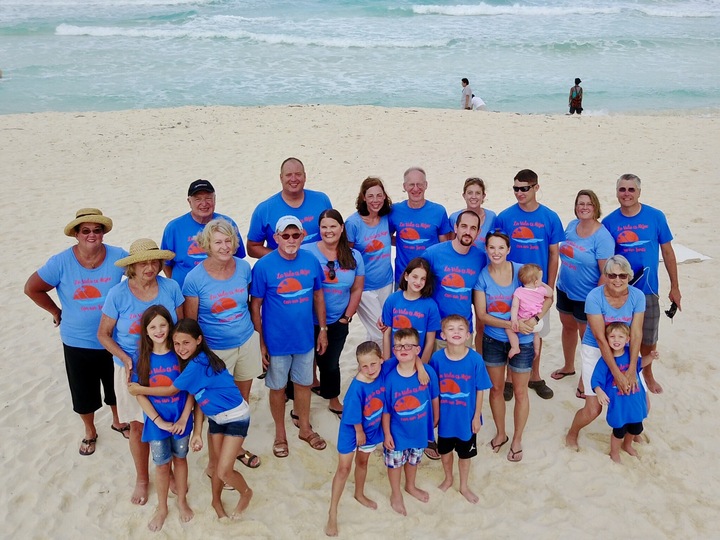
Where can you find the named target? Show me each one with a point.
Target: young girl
(360, 429)
(167, 424)
(204, 375)
(527, 303)
(412, 307)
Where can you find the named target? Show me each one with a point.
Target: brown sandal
(315, 441)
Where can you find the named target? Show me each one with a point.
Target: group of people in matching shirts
(416, 372)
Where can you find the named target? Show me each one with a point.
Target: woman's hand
(526, 326)
(134, 389)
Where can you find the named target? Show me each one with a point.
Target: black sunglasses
(672, 311)
(523, 189)
(331, 269)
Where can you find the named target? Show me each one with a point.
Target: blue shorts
(238, 428)
(163, 451)
(298, 366)
(394, 459)
(495, 354)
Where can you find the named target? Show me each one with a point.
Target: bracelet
(158, 416)
(537, 319)
(323, 328)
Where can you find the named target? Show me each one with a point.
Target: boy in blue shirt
(462, 379)
(409, 418)
(625, 411)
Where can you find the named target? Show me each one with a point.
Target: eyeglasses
(97, 230)
(288, 236)
(672, 311)
(406, 347)
(331, 269)
(628, 189)
(615, 276)
(523, 189)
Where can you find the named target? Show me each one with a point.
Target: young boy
(625, 411)
(360, 428)
(527, 303)
(463, 379)
(409, 418)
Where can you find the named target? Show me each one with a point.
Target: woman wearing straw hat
(82, 276)
(119, 333)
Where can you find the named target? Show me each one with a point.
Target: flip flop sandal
(89, 446)
(513, 455)
(558, 375)
(124, 431)
(250, 460)
(431, 451)
(496, 447)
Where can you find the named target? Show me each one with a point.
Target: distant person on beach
(179, 234)
(416, 223)
(477, 103)
(575, 98)
(292, 200)
(641, 232)
(467, 95)
(82, 275)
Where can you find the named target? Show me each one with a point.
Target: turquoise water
(522, 56)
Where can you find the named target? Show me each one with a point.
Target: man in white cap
(179, 234)
(286, 287)
(293, 200)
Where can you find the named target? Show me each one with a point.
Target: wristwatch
(537, 319)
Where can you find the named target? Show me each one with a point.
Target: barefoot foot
(420, 494)
(397, 504)
(158, 519)
(629, 449)
(469, 495)
(362, 499)
(219, 510)
(331, 529)
(186, 513)
(140, 493)
(446, 484)
(245, 497)
(571, 441)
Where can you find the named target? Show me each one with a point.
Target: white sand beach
(136, 166)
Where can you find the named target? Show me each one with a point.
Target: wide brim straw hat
(88, 215)
(145, 249)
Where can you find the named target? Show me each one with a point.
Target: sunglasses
(97, 230)
(288, 236)
(672, 311)
(331, 269)
(615, 276)
(523, 189)
(406, 347)
(628, 189)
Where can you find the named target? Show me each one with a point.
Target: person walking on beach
(292, 200)
(179, 234)
(575, 98)
(640, 232)
(467, 95)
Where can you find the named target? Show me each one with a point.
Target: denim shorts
(163, 451)
(394, 459)
(299, 366)
(238, 428)
(495, 354)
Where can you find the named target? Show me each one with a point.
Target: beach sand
(136, 166)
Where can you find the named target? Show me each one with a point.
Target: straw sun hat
(145, 249)
(88, 215)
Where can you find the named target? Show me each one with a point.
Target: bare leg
(447, 463)
(140, 453)
(497, 403)
(228, 450)
(627, 445)
(361, 464)
(180, 472)
(338, 485)
(162, 483)
(535, 372)
(522, 408)
(652, 384)
(89, 424)
(410, 486)
(615, 448)
(464, 470)
(302, 409)
(277, 409)
(244, 387)
(514, 341)
(583, 417)
(396, 497)
(116, 419)
(537, 344)
(216, 483)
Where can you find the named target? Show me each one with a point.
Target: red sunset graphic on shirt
(453, 280)
(567, 250)
(87, 294)
(401, 321)
(375, 245)
(160, 380)
(373, 408)
(409, 234)
(498, 307)
(195, 251)
(448, 386)
(409, 405)
(134, 328)
(226, 309)
(523, 232)
(290, 287)
(626, 237)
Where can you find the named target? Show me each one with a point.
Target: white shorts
(128, 408)
(370, 310)
(590, 356)
(543, 327)
(243, 362)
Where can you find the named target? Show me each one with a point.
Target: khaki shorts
(243, 362)
(128, 408)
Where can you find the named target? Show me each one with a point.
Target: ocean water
(658, 56)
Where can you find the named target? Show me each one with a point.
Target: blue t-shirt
(286, 288)
(336, 291)
(164, 369)
(455, 276)
(459, 381)
(417, 229)
(498, 302)
(363, 404)
(421, 314)
(487, 226)
(638, 239)
(623, 408)
(214, 392)
(179, 237)
(374, 245)
(223, 312)
(597, 304)
(579, 270)
(268, 212)
(82, 293)
(531, 234)
(127, 310)
(409, 405)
